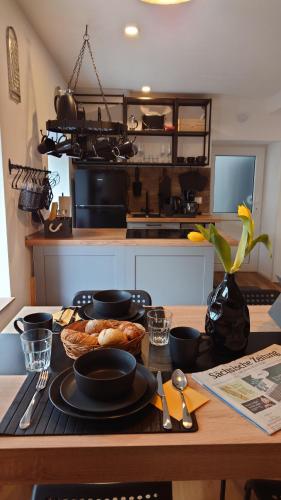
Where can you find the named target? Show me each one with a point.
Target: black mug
(185, 343)
(35, 320)
(46, 145)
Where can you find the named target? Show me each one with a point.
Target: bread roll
(112, 336)
(132, 331)
(95, 326)
(81, 338)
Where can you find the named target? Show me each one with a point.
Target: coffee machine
(189, 205)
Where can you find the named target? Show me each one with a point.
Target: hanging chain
(77, 68)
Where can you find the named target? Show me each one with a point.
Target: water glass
(159, 324)
(37, 346)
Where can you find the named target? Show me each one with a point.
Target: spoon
(179, 381)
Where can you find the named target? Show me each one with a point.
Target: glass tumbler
(159, 324)
(37, 346)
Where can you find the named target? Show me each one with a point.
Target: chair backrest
(116, 491)
(257, 296)
(86, 296)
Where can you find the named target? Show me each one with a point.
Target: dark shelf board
(85, 127)
(192, 134)
(151, 132)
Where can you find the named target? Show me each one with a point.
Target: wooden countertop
(198, 219)
(109, 237)
(205, 454)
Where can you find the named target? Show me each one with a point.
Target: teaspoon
(179, 381)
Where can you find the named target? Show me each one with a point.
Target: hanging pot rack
(90, 139)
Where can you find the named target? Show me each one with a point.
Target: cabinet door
(172, 276)
(65, 271)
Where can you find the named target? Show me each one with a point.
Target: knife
(167, 424)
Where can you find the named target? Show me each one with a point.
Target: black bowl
(112, 303)
(105, 373)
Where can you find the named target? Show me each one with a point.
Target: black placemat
(49, 421)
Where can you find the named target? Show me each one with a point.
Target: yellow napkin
(193, 399)
(63, 318)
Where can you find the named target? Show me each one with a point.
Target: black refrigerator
(100, 197)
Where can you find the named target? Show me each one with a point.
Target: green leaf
(222, 248)
(262, 238)
(205, 232)
(241, 250)
(248, 223)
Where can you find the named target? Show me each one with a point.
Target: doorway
(236, 178)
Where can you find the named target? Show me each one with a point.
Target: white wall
(271, 205)
(245, 120)
(20, 125)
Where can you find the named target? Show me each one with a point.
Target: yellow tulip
(244, 211)
(196, 237)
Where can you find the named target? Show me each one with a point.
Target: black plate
(61, 405)
(71, 395)
(135, 313)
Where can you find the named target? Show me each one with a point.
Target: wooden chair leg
(222, 489)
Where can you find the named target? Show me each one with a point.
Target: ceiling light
(165, 2)
(131, 31)
(146, 89)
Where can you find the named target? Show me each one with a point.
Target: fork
(41, 384)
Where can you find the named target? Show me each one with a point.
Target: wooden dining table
(225, 446)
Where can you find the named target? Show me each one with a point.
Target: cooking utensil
(167, 424)
(65, 105)
(179, 381)
(164, 190)
(193, 180)
(25, 421)
(137, 185)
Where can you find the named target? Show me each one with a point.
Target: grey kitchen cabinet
(61, 271)
(171, 274)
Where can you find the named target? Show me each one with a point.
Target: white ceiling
(204, 46)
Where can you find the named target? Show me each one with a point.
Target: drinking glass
(159, 324)
(37, 345)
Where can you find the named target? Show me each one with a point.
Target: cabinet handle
(154, 224)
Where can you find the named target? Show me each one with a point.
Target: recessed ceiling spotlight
(146, 89)
(131, 30)
(165, 2)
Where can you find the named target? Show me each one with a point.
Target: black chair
(86, 296)
(116, 491)
(257, 296)
(263, 489)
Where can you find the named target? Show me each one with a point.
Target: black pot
(105, 374)
(112, 303)
(227, 319)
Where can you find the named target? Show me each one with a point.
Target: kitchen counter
(173, 271)
(110, 236)
(198, 219)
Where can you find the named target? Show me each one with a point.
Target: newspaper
(251, 385)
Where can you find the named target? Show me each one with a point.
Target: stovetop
(157, 233)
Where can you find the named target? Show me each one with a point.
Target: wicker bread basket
(75, 350)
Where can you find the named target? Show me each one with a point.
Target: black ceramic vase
(227, 319)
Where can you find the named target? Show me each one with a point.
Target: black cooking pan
(192, 181)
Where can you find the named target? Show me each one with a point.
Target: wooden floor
(249, 279)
